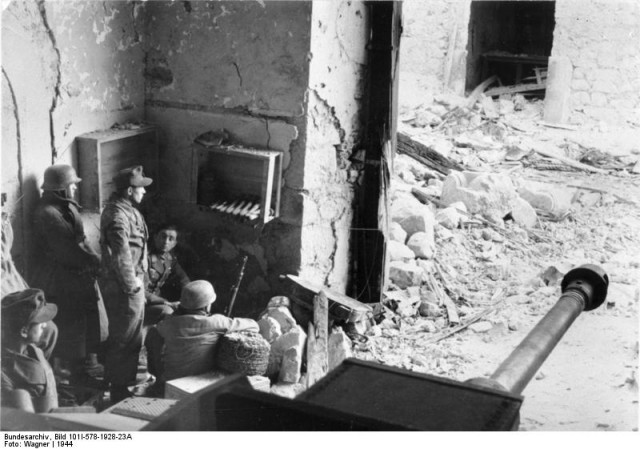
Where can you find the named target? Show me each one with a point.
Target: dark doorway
(509, 39)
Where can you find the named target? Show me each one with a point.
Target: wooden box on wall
(242, 183)
(101, 154)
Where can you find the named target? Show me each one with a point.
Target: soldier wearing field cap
(123, 240)
(27, 378)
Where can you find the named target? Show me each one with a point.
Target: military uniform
(66, 270)
(123, 239)
(164, 278)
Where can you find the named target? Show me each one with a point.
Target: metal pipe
(584, 288)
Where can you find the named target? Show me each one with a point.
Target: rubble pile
(483, 249)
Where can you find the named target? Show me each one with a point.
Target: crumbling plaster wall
(335, 130)
(432, 49)
(69, 67)
(600, 38)
(241, 66)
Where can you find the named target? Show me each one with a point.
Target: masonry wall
(433, 48)
(334, 132)
(600, 38)
(241, 66)
(67, 68)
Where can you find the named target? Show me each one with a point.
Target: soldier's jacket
(164, 278)
(123, 240)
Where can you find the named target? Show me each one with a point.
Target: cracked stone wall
(600, 38)
(334, 133)
(241, 66)
(430, 32)
(68, 68)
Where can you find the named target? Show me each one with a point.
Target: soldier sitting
(27, 378)
(164, 278)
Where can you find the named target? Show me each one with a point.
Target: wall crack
(56, 93)
(238, 72)
(18, 137)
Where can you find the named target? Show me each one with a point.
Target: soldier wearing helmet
(66, 269)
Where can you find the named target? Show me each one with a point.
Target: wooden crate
(233, 180)
(101, 154)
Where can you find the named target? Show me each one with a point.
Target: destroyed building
(335, 143)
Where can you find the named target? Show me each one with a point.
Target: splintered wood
(317, 340)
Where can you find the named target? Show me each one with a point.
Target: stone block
(422, 244)
(269, 328)
(339, 346)
(283, 316)
(524, 214)
(411, 214)
(450, 217)
(488, 194)
(290, 366)
(399, 251)
(545, 197)
(429, 309)
(287, 390)
(396, 233)
(295, 338)
(404, 274)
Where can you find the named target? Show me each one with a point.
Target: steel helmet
(58, 177)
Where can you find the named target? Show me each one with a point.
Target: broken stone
(506, 106)
(407, 308)
(546, 198)
(552, 276)
(490, 194)
(287, 390)
(433, 182)
(523, 213)
(443, 233)
(427, 266)
(291, 364)
(589, 199)
(339, 347)
(429, 309)
(422, 244)
(411, 214)
(491, 235)
(451, 216)
(295, 338)
(405, 274)
(279, 301)
(283, 316)
(399, 251)
(489, 107)
(269, 328)
(481, 326)
(396, 233)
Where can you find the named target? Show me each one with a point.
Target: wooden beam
(425, 155)
(317, 340)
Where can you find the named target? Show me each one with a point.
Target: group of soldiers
(101, 304)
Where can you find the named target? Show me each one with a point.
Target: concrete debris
(396, 233)
(339, 347)
(422, 244)
(481, 326)
(523, 213)
(294, 338)
(405, 274)
(443, 233)
(429, 309)
(488, 194)
(290, 365)
(399, 251)
(411, 214)
(547, 198)
(269, 328)
(451, 216)
(283, 316)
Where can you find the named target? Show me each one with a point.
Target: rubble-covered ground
(468, 282)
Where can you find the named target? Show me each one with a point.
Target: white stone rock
(269, 328)
(396, 233)
(429, 309)
(283, 316)
(411, 214)
(481, 326)
(287, 390)
(489, 194)
(291, 364)
(295, 338)
(524, 214)
(405, 274)
(451, 216)
(422, 244)
(546, 198)
(399, 251)
(339, 346)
